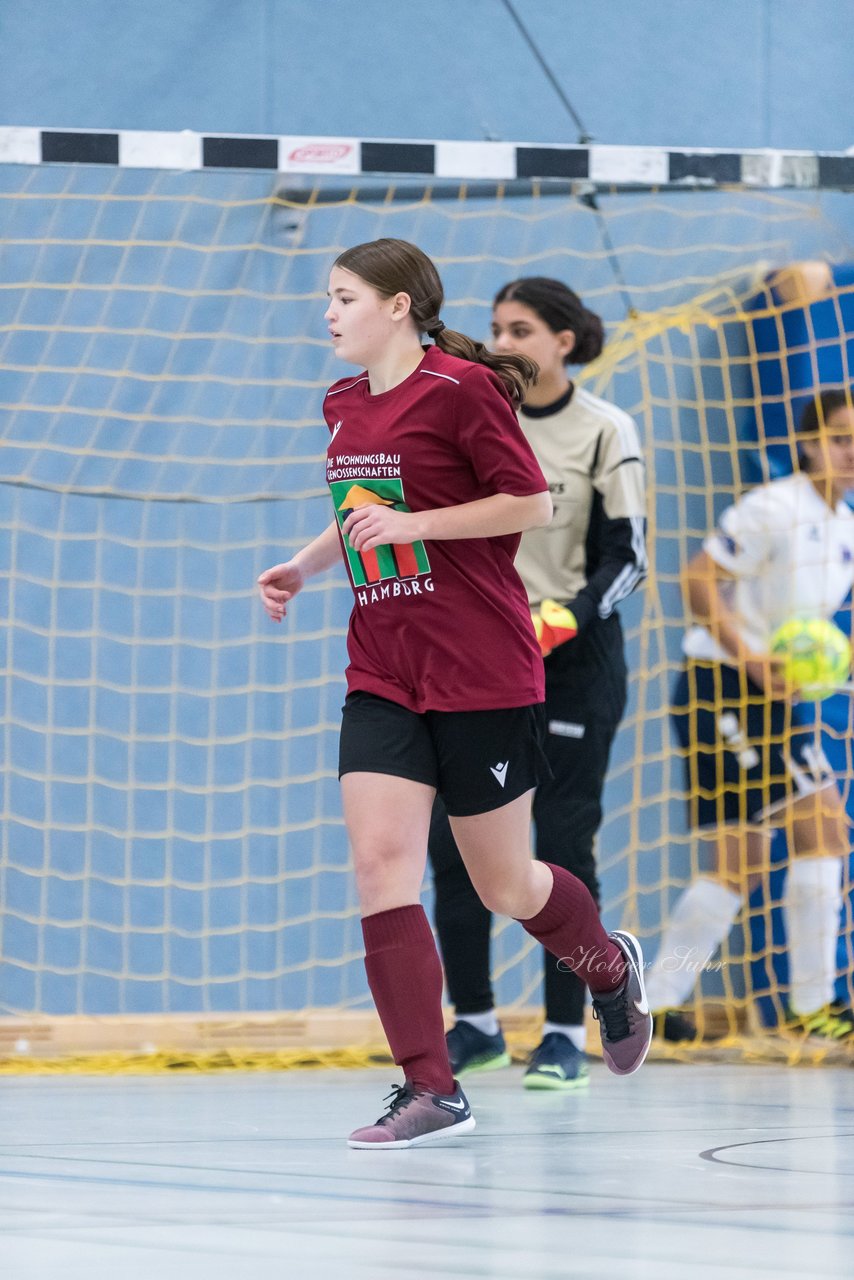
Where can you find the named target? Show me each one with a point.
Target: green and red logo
(397, 560)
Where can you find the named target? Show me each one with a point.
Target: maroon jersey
(438, 625)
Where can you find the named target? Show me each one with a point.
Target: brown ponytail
(396, 266)
(516, 372)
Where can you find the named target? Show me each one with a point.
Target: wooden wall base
(313, 1029)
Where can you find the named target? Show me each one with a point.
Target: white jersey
(791, 555)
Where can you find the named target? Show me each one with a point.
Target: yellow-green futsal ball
(817, 653)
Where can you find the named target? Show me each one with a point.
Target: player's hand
(768, 671)
(554, 625)
(377, 526)
(278, 586)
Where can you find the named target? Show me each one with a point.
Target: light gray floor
(680, 1171)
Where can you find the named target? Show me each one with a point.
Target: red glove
(554, 625)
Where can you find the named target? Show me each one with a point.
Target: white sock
(699, 923)
(811, 905)
(485, 1022)
(578, 1035)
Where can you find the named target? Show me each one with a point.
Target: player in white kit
(784, 550)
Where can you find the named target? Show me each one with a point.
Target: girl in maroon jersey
(445, 679)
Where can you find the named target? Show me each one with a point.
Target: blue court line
(379, 1201)
(711, 1154)
(639, 1209)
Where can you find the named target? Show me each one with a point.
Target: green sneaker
(557, 1064)
(472, 1050)
(834, 1022)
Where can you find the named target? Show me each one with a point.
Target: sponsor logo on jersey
(406, 562)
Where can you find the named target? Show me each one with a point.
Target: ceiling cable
(587, 197)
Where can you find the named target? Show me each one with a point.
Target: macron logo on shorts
(499, 771)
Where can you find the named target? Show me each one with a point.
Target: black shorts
(744, 755)
(476, 760)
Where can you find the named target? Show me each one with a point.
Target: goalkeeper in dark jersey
(576, 570)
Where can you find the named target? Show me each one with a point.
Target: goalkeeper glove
(554, 625)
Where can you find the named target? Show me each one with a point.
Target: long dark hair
(558, 307)
(819, 409)
(396, 266)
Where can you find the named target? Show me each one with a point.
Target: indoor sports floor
(701, 1170)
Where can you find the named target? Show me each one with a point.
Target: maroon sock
(405, 977)
(569, 927)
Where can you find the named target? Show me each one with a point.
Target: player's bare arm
(704, 583)
(279, 584)
(501, 513)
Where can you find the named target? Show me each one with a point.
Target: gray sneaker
(625, 1022)
(414, 1118)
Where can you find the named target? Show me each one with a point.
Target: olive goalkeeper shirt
(593, 554)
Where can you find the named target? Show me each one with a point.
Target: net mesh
(171, 823)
